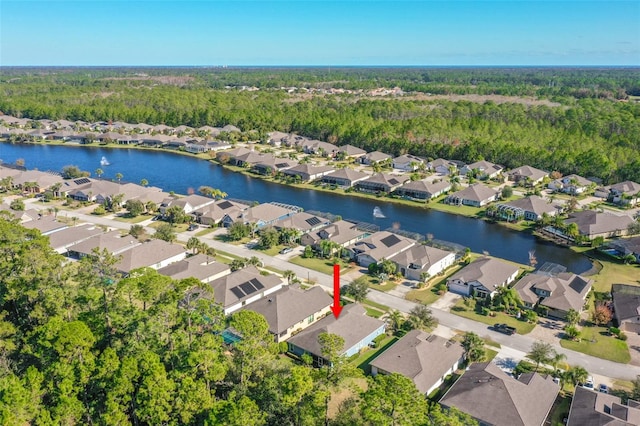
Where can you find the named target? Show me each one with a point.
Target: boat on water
(378, 213)
(104, 161)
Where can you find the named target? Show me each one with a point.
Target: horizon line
(326, 66)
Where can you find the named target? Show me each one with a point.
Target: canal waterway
(184, 174)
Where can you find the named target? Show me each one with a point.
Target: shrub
(614, 331)
(622, 336)
(485, 311)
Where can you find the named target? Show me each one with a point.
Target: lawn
(376, 284)
(372, 312)
(611, 272)
(490, 354)
(595, 341)
(522, 327)
(362, 361)
(423, 295)
(461, 210)
(136, 219)
(270, 251)
(204, 232)
(379, 306)
(321, 265)
(560, 410)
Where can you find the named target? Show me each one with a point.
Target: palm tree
(395, 319)
(144, 182)
(509, 297)
(578, 375)
(289, 275)
(558, 359)
(99, 172)
(325, 247)
(193, 244)
(119, 176)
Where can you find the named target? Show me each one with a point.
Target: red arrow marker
(336, 308)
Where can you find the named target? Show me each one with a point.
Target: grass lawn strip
(596, 341)
(363, 360)
(522, 327)
(321, 265)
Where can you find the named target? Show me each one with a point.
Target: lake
(184, 174)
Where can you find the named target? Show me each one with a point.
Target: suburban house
(557, 292)
(47, 225)
(262, 215)
(599, 409)
(482, 169)
(61, 241)
(21, 216)
(423, 189)
(291, 309)
(242, 287)
(113, 241)
(340, 232)
(270, 165)
(303, 222)
(213, 214)
(442, 167)
(381, 182)
(424, 358)
(407, 162)
(35, 182)
(527, 175)
(528, 208)
(218, 145)
(231, 155)
(92, 190)
(493, 397)
(314, 147)
(199, 266)
(572, 184)
(476, 195)
(249, 159)
(350, 151)
(626, 307)
(593, 224)
(626, 246)
(483, 277)
(155, 254)
(344, 178)
(379, 246)
(374, 157)
(308, 172)
(188, 204)
(421, 259)
(625, 193)
(353, 325)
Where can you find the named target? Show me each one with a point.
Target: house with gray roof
(340, 232)
(303, 222)
(113, 241)
(527, 175)
(381, 182)
(374, 157)
(188, 204)
(626, 307)
(424, 358)
(212, 214)
(421, 259)
(262, 215)
(423, 189)
(592, 224)
(492, 397)
(199, 266)
(528, 208)
(476, 195)
(291, 309)
(35, 182)
(231, 155)
(314, 147)
(571, 184)
(270, 165)
(308, 172)
(351, 151)
(154, 254)
(353, 325)
(47, 225)
(344, 178)
(589, 408)
(483, 169)
(482, 277)
(625, 193)
(61, 241)
(626, 246)
(407, 162)
(379, 246)
(557, 292)
(243, 287)
(20, 215)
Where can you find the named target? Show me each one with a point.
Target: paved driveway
(633, 341)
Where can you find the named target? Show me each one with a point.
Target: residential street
(516, 342)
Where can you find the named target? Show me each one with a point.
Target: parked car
(603, 388)
(504, 328)
(588, 384)
(286, 250)
(192, 227)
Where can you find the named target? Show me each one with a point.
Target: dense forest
(583, 121)
(81, 345)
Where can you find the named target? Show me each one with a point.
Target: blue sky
(319, 32)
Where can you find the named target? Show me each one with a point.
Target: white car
(588, 384)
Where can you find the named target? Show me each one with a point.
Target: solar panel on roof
(313, 221)
(393, 181)
(238, 292)
(248, 288)
(81, 181)
(389, 241)
(225, 205)
(279, 165)
(257, 284)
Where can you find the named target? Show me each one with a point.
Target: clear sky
(235, 33)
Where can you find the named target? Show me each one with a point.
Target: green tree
(99, 172)
(268, 237)
(119, 176)
(17, 205)
(392, 399)
(420, 317)
(73, 172)
(473, 347)
(144, 182)
(137, 231)
(509, 297)
(134, 208)
(395, 321)
(572, 317)
(238, 231)
(541, 353)
(255, 350)
(289, 275)
(387, 267)
(165, 232)
(234, 411)
(357, 289)
(506, 192)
